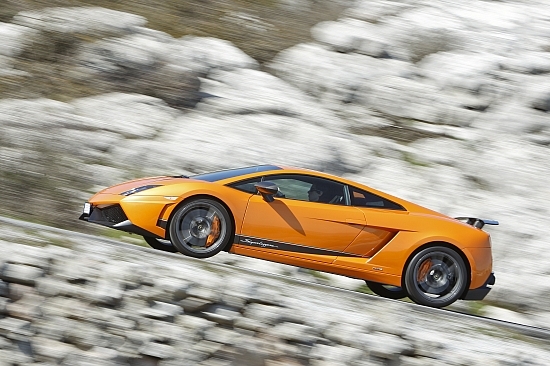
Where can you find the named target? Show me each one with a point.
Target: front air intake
(113, 214)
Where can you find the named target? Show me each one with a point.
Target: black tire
(436, 277)
(387, 291)
(200, 228)
(160, 244)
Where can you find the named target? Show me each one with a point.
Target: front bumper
(114, 217)
(480, 292)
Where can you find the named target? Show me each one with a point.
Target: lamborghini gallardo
(308, 219)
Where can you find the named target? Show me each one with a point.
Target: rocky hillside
(443, 103)
(94, 301)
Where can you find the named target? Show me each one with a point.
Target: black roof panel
(230, 173)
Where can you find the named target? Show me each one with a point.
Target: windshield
(230, 173)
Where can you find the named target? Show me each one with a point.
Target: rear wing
(476, 222)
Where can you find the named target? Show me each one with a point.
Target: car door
(294, 226)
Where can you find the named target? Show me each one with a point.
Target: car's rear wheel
(436, 276)
(160, 244)
(387, 291)
(200, 228)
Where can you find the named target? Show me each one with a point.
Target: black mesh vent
(114, 214)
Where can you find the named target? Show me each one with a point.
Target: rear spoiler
(475, 222)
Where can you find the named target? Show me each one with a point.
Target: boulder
(422, 31)
(348, 35)
(20, 274)
(129, 115)
(374, 12)
(13, 38)
(203, 54)
(139, 63)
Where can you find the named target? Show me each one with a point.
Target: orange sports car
(307, 219)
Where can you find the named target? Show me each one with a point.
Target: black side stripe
(276, 245)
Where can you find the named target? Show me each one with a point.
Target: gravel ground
(95, 301)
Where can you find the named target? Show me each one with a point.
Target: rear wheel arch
(441, 244)
(210, 197)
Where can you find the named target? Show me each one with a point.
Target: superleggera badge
(258, 243)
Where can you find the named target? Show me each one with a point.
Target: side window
(366, 199)
(246, 185)
(308, 188)
(291, 188)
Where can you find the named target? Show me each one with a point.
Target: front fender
(235, 200)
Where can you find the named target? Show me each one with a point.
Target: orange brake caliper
(214, 232)
(423, 270)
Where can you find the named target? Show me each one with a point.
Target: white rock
(158, 350)
(117, 55)
(342, 354)
(130, 115)
(386, 346)
(410, 99)
(422, 31)
(203, 54)
(506, 315)
(13, 39)
(542, 102)
(530, 62)
(38, 114)
(345, 35)
(52, 350)
(464, 70)
(505, 17)
(296, 5)
(20, 273)
(250, 92)
(515, 118)
(375, 11)
(249, 140)
(316, 70)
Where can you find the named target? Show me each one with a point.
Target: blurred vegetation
(260, 28)
(43, 184)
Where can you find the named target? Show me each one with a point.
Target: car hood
(153, 181)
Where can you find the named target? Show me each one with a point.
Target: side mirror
(267, 190)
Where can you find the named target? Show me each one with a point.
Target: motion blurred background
(53, 57)
(444, 103)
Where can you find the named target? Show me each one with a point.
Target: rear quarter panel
(416, 230)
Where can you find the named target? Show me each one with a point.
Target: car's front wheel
(436, 276)
(387, 291)
(200, 228)
(160, 244)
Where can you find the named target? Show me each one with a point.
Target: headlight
(138, 189)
